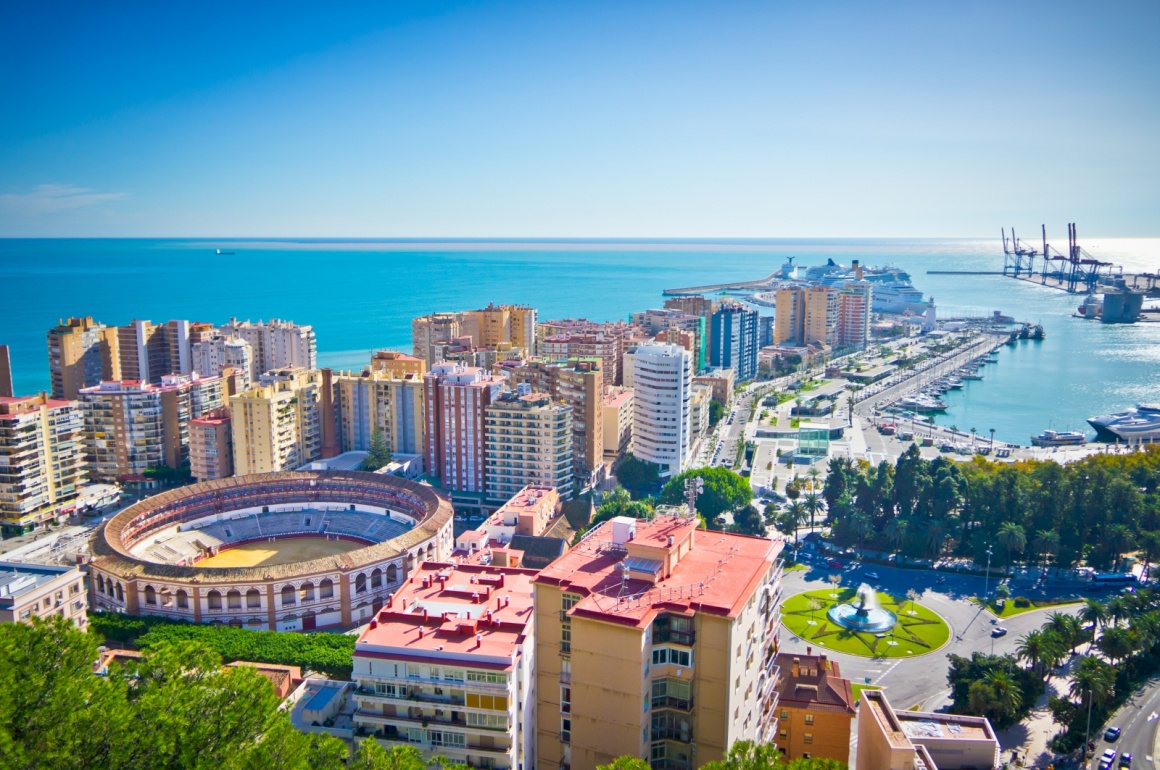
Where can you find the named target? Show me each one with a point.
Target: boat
(923, 404)
(972, 376)
(954, 384)
(224, 253)
(1037, 332)
(1142, 427)
(1059, 438)
(1106, 424)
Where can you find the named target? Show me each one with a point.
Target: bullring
(160, 556)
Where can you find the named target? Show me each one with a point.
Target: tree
(1119, 540)
(746, 755)
(372, 756)
(716, 412)
(1094, 676)
(813, 505)
(638, 476)
(1013, 539)
(1093, 611)
(626, 762)
(723, 491)
(1116, 644)
(379, 455)
(747, 521)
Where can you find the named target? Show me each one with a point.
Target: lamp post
(1088, 735)
(987, 580)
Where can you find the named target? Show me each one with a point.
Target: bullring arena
(287, 551)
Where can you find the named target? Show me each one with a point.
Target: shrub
(1022, 602)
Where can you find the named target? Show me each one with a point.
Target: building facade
(662, 383)
(789, 315)
(211, 452)
(734, 340)
(148, 351)
(821, 322)
(132, 426)
(277, 426)
(81, 353)
(456, 398)
(392, 402)
(41, 460)
(275, 344)
(854, 303)
(655, 640)
(214, 353)
(528, 442)
(915, 740)
(448, 666)
(618, 414)
(815, 708)
(30, 591)
(398, 365)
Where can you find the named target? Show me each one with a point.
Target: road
(1138, 718)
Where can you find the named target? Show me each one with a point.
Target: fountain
(864, 614)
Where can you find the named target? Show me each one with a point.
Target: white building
(275, 344)
(212, 355)
(662, 380)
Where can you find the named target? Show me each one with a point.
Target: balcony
(668, 636)
(671, 733)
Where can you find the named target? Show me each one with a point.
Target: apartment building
(854, 303)
(657, 320)
(618, 413)
(211, 453)
(396, 364)
(821, 321)
(456, 397)
(81, 352)
(578, 383)
(448, 666)
(656, 640)
(275, 344)
(734, 340)
(213, 353)
(917, 740)
(41, 460)
(131, 426)
(579, 338)
(30, 591)
(495, 327)
(6, 389)
(815, 707)
(430, 333)
(692, 305)
(390, 400)
(148, 351)
(722, 381)
(528, 442)
(701, 396)
(789, 315)
(662, 381)
(277, 426)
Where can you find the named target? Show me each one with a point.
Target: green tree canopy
(636, 475)
(379, 455)
(724, 491)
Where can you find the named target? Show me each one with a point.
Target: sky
(578, 119)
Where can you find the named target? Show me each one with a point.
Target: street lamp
(987, 580)
(1088, 735)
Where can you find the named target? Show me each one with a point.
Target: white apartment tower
(662, 379)
(275, 344)
(215, 353)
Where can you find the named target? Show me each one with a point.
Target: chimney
(374, 623)
(424, 614)
(809, 650)
(796, 666)
(670, 541)
(475, 598)
(823, 664)
(420, 632)
(478, 640)
(391, 600)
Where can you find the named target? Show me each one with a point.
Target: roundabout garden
(861, 621)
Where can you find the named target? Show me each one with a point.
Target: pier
(1077, 272)
(764, 283)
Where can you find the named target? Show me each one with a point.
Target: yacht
(923, 404)
(1059, 438)
(1108, 425)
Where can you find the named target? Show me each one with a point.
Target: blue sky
(593, 119)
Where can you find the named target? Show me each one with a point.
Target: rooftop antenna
(694, 485)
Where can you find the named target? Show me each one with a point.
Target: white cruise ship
(1139, 424)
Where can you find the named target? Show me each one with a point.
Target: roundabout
(864, 622)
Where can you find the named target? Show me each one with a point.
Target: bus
(1114, 579)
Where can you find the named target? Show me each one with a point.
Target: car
(998, 631)
(1107, 758)
(1112, 733)
(873, 576)
(834, 563)
(1125, 760)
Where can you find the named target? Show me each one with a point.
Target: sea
(360, 295)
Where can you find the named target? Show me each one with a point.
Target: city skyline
(642, 121)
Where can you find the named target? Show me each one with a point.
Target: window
(73, 589)
(385, 689)
(672, 693)
(182, 599)
(808, 737)
(253, 598)
(496, 721)
(566, 700)
(784, 714)
(568, 601)
(215, 600)
(488, 702)
(150, 595)
(234, 600)
(326, 589)
(565, 669)
(809, 719)
(565, 730)
(662, 655)
(566, 637)
(486, 676)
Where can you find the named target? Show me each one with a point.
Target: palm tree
(1119, 608)
(1008, 698)
(973, 432)
(798, 511)
(1046, 543)
(1067, 627)
(992, 438)
(1032, 649)
(936, 535)
(1012, 537)
(1094, 612)
(1116, 644)
(1093, 676)
(813, 473)
(1120, 541)
(895, 532)
(813, 505)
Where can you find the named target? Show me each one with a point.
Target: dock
(765, 283)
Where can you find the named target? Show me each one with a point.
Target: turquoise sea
(361, 295)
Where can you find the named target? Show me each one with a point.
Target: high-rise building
(764, 331)
(789, 315)
(854, 302)
(734, 340)
(662, 381)
(495, 327)
(42, 591)
(277, 426)
(211, 454)
(456, 397)
(275, 344)
(213, 353)
(656, 321)
(41, 461)
(6, 390)
(148, 352)
(580, 338)
(579, 383)
(702, 396)
(528, 441)
(448, 665)
(81, 352)
(397, 364)
(656, 640)
(430, 333)
(618, 409)
(132, 426)
(692, 305)
(377, 399)
(821, 322)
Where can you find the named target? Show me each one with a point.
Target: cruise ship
(893, 291)
(1059, 438)
(1139, 424)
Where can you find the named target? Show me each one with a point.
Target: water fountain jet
(864, 614)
